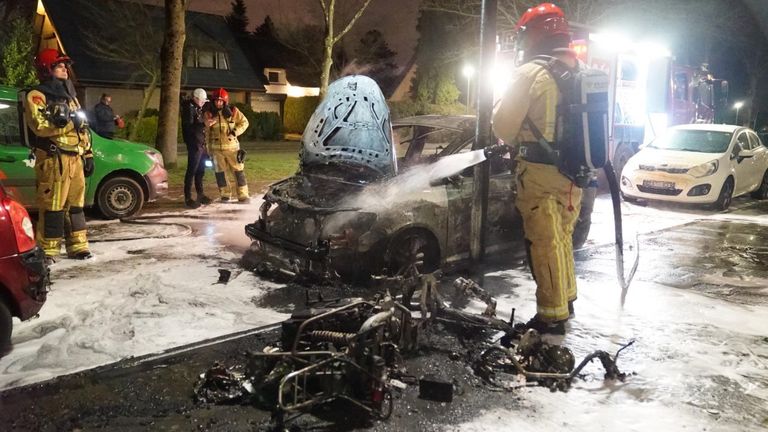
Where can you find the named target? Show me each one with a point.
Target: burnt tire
(119, 197)
(413, 247)
(6, 326)
(762, 192)
(726, 195)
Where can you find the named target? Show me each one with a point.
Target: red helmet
(540, 29)
(47, 59)
(220, 94)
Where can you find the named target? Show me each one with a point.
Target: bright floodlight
(738, 105)
(468, 70)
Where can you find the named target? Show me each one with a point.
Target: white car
(698, 164)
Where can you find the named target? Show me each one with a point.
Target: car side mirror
(737, 149)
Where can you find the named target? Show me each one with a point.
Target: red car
(23, 274)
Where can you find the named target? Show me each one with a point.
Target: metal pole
(737, 116)
(469, 78)
(483, 132)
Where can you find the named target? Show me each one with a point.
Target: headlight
(155, 156)
(705, 169)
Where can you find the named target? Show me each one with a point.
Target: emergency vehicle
(649, 91)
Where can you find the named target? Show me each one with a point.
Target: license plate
(658, 184)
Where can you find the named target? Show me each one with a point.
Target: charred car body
(368, 200)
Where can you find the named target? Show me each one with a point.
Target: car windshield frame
(691, 140)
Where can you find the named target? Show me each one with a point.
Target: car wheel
(413, 248)
(6, 325)
(762, 192)
(120, 197)
(726, 194)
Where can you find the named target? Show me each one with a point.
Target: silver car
(358, 217)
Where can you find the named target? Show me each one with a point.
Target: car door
(742, 163)
(501, 204)
(760, 160)
(16, 168)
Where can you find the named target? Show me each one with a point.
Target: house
(115, 46)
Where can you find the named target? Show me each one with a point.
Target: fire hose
(624, 280)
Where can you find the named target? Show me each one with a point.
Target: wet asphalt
(717, 260)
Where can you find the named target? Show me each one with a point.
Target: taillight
(22, 225)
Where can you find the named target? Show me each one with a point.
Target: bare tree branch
(351, 22)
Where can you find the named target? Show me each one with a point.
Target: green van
(126, 174)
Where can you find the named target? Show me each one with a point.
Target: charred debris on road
(355, 354)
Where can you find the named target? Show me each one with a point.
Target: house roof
(83, 25)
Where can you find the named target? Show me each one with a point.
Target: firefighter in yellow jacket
(548, 201)
(63, 157)
(226, 123)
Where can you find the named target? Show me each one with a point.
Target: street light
(738, 106)
(468, 71)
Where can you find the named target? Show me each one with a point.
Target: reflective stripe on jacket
(223, 133)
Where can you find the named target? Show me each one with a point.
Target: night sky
(396, 19)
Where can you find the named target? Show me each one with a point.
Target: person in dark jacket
(104, 116)
(193, 130)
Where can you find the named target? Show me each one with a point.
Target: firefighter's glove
(240, 156)
(226, 111)
(88, 166)
(496, 150)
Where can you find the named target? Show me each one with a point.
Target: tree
(237, 19)
(17, 50)
(110, 35)
(374, 54)
(442, 43)
(306, 41)
(331, 37)
(171, 58)
(581, 11)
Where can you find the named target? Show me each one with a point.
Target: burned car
(374, 197)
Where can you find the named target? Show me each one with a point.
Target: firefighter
(548, 201)
(63, 157)
(225, 123)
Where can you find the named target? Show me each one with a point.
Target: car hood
(671, 158)
(352, 127)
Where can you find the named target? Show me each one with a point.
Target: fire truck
(649, 90)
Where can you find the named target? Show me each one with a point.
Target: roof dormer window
(207, 59)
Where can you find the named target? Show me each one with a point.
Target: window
(10, 133)
(274, 77)
(744, 141)
(754, 141)
(221, 61)
(680, 84)
(207, 59)
(403, 137)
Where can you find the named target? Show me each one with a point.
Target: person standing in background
(193, 131)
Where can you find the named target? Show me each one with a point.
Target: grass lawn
(266, 162)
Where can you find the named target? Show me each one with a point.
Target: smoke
(401, 189)
(355, 68)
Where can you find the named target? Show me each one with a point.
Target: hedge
(298, 111)
(262, 125)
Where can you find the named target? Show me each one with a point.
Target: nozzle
(496, 150)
